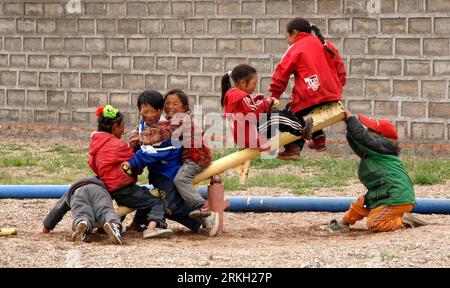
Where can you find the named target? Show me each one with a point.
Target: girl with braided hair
(319, 75)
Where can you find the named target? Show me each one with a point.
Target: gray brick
(115, 45)
(66, 26)
(13, 9)
(436, 47)
(112, 81)
(232, 62)
(386, 108)
(251, 45)
(365, 26)
(201, 83)
(73, 44)
(54, 9)
(228, 8)
(48, 79)
(388, 6)
(13, 44)
(159, 45)
(7, 26)
(33, 9)
(45, 26)
(178, 81)
(37, 61)
(277, 7)
(442, 25)
(359, 106)
(53, 44)
(355, 6)
(181, 45)
(157, 82)
(380, 46)
(417, 68)
(419, 25)
(402, 129)
(56, 99)
(414, 109)
(228, 45)
(95, 45)
(45, 116)
(393, 26)
(182, 9)
(266, 26)
(433, 88)
(81, 62)
(116, 9)
(4, 60)
(127, 26)
(339, 27)
(26, 116)
(95, 9)
(15, 98)
(209, 103)
(70, 80)
(133, 81)
(303, 6)
(8, 78)
(406, 88)
(76, 99)
(121, 62)
(262, 65)
(159, 8)
(150, 27)
(137, 45)
(137, 9)
(218, 27)
(165, 63)
(144, 63)
(328, 7)
(442, 67)
(36, 98)
(120, 100)
(439, 110)
(106, 26)
(242, 26)
(32, 44)
(97, 98)
(353, 87)
(171, 26)
(277, 46)
(252, 7)
(26, 25)
(410, 6)
(389, 67)
(65, 118)
(407, 47)
(100, 62)
(195, 26)
(9, 115)
(435, 131)
(58, 62)
(354, 46)
(362, 67)
(204, 45)
(212, 64)
(17, 60)
(2, 98)
(438, 6)
(378, 88)
(188, 64)
(81, 117)
(90, 80)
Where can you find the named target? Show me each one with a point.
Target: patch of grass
(18, 161)
(428, 172)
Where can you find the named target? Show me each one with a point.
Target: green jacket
(380, 170)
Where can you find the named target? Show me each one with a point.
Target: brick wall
(57, 63)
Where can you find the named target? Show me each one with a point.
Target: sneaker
(412, 221)
(80, 230)
(200, 213)
(336, 226)
(113, 231)
(318, 143)
(158, 233)
(211, 223)
(291, 152)
(134, 226)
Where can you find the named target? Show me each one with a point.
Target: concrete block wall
(59, 62)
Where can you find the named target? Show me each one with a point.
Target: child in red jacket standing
(319, 75)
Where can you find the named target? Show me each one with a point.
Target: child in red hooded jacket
(319, 75)
(106, 153)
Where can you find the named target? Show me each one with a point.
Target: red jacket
(318, 75)
(106, 153)
(239, 104)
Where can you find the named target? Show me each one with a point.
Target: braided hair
(242, 71)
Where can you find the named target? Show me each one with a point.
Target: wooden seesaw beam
(322, 116)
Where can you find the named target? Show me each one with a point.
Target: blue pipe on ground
(241, 203)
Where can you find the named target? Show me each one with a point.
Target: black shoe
(113, 231)
(82, 229)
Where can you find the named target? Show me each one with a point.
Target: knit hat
(382, 126)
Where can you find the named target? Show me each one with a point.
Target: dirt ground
(249, 240)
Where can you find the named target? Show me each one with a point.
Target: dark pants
(149, 208)
(176, 208)
(283, 121)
